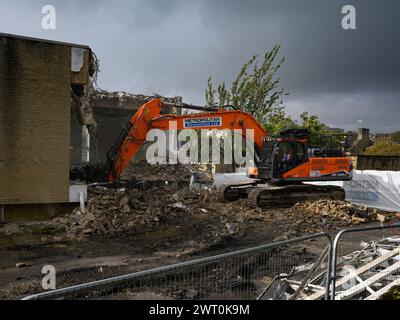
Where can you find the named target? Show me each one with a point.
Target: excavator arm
(286, 186)
(148, 117)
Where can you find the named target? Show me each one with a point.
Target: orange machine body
(317, 168)
(148, 117)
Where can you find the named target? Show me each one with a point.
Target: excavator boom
(148, 117)
(283, 163)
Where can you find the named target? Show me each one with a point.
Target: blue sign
(202, 122)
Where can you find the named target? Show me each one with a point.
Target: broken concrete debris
(158, 201)
(136, 211)
(341, 212)
(154, 204)
(143, 171)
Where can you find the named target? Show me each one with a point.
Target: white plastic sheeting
(370, 188)
(77, 56)
(221, 178)
(77, 192)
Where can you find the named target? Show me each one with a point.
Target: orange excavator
(283, 163)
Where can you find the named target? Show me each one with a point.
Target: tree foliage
(320, 133)
(278, 122)
(396, 137)
(383, 147)
(255, 90)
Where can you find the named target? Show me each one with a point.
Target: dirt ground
(122, 231)
(78, 261)
(100, 256)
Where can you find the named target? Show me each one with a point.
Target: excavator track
(234, 191)
(286, 196)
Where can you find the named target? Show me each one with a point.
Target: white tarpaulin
(77, 56)
(221, 178)
(370, 188)
(376, 189)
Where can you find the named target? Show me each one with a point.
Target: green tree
(320, 134)
(255, 90)
(396, 137)
(383, 147)
(279, 122)
(313, 123)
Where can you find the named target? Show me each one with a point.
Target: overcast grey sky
(172, 46)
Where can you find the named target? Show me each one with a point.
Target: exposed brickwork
(34, 121)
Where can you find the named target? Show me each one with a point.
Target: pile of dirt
(142, 170)
(338, 210)
(346, 211)
(325, 215)
(137, 212)
(207, 221)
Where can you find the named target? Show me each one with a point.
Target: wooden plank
(359, 271)
(385, 289)
(362, 286)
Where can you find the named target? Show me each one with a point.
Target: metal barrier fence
(289, 269)
(361, 263)
(365, 262)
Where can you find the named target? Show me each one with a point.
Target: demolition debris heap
(156, 202)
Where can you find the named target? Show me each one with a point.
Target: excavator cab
(283, 153)
(289, 158)
(288, 155)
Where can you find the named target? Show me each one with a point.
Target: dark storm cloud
(378, 110)
(171, 47)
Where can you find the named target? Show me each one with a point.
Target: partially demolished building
(52, 119)
(112, 111)
(36, 78)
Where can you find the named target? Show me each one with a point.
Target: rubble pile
(120, 211)
(316, 216)
(136, 211)
(347, 211)
(337, 210)
(198, 212)
(122, 98)
(165, 172)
